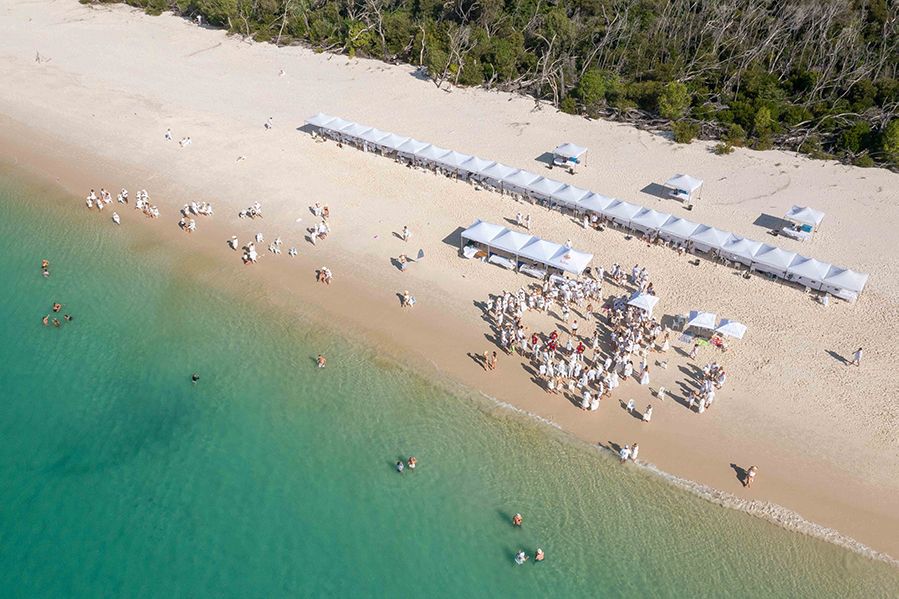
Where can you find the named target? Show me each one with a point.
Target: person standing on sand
(407, 233)
(694, 351)
(487, 360)
(634, 451)
(750, 476)
(168, 134)
(856, 358)
(527, 222)
(493, 361)
(624, 453)
(647, 415)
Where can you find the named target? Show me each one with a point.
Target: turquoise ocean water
(271, 478)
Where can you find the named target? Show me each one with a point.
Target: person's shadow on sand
(741, 473)
(837, 357)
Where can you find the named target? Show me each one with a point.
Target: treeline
(817, 76)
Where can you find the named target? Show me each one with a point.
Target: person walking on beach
(750, 476)
(624, 453)
(856, 358)
(268, 123)
(487, 360)
(168, 134)
(694, 351)
(407, 233)
(493, 361)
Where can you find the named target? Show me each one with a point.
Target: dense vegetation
(818, 76)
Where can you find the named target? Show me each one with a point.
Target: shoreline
(769, 512)
(823, 483)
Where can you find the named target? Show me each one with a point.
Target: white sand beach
(93, 112)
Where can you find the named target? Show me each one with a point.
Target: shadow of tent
(766, 221)
(546, 158)
(656, 190)
(455, 238)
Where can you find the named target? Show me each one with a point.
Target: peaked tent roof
(355, 130)
(392, 141)
(571, 260)
(498, 171)
(805, 215)
(701, 320)
(412, 146)
(453, 159)
(338, 124)
(843, 278)
(320, 120)
(511, 241)
(678, 227)
(570, 195)
(809, 268)
(731, 328)
(644, 301)
(570, 150)
(544, 186)
(621, 209)
(594, 202)
(373, 135)
(476, 165)
(482, 231)
(710, 236)
(650, 219)
(769, 255)
(742, 247)
(685, 182)
(431, 152)
(520, 178)
(540, 250)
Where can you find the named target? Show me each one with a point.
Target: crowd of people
(104, 198)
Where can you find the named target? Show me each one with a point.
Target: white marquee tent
(544, 187)
(644, 301)
(482, 232)
(453, 160)
(570, 195)
(805, 216)
(621, 211)
(595, 202)
(648, 220)
(678, 229)
(511, 241)
(571, 260)
(843, 278)
(808, 271)
(525, 246)
(740, 249)
(701, 320)
(684, 187)
(707, 238)
(731, 328)
(431, 153)
(475, 165)
(773, 259)
(520, 179)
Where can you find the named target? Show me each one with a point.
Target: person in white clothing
(647, 415)
(624, 453)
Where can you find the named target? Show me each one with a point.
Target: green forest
(817, 76)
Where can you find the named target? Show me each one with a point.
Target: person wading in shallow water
(194, 378)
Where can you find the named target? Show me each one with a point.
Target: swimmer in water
(539, 556)
(322, 361)
(400, 467)
(46, 320)
(412, 461)
(67, 317)
(57, 307)
(56, 322)
(521, 557)
(194, 378)
(45, 264)
(516, 520)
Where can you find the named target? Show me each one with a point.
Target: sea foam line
(770, 512)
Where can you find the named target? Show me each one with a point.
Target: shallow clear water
(272, 478)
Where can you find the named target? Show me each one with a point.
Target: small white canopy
(569, 195)
(319, 120)
(520, 179)
(412, 146)
(843, 278)
(571, 260)
(805, 215)
(431, 153)
(540, 250)
(511, 241)
(731, 328)
(453, 159)
(649, 220)
(392, 141)
(594, 202)
(498, 171)
(482, 232)
(475, 165)
(808, 270)
(373, 135)
(644, 301)
(706, 238)
(569, 150)
(740, 249)
(678, 229)
(701, 320)
(621, 211)
(545, 187)
(684, 183)
(355, 130)
(773, 259)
